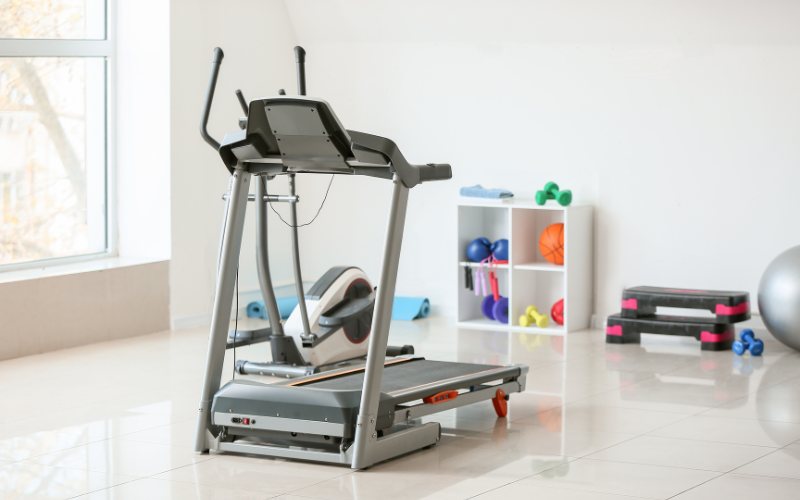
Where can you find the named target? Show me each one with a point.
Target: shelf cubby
(529, 278)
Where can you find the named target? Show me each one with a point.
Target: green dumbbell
(551, 192)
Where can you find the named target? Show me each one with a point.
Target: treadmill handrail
(212, 85)
(411, 175)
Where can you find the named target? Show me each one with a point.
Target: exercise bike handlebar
(212, 85)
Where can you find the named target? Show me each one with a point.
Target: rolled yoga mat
(410, 308)
(404, 309)
(285, 306)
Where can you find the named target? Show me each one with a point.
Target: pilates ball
(779, 297)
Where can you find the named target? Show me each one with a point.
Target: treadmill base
(392, 445)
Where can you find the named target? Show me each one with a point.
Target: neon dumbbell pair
(532, 316)
(748, 342)
(551, 192)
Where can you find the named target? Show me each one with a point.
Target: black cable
(318, 210)
(236, 322)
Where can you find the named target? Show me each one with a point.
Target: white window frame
(107, 49)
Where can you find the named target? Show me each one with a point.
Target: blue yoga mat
(404, 309)
(410, 308)
(285, 305)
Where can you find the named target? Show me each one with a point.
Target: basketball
(551, 243)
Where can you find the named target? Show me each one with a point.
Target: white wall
(142, 122)
(257, 38)
(677, 120)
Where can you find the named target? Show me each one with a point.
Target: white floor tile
(154, 489)
(733, 430)
(586, 416)
(38, 443)
(30, 481)
(267, 476)
(180, 434)
(789, 390)
(780, 463)
(83, 425)
(646, 481)
(116, 456)
(740, 487)
(527, 491)
(536, 439)
(757, 407)
(443, 472)
(703, 455)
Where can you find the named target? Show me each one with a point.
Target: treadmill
(359, 415)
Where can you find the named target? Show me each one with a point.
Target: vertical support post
(222, 231)
(376, 354)
(223, 302)
(262, 259)
(298, 277)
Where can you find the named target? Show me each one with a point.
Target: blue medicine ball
(479, 249)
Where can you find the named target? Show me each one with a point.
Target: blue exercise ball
(779, 298)
(479, 249)
(500, 249)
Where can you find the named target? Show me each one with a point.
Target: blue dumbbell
(749, 341)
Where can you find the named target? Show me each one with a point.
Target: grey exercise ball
(779, 297)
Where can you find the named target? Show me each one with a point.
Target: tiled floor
(660, 420)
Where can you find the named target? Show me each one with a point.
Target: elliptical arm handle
(242, 102)
(212, 85)
(300, 58)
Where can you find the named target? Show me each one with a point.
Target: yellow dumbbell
(532, 316)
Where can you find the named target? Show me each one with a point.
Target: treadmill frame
(367, 447)
(307, 139)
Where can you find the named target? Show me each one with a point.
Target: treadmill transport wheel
(500, 403)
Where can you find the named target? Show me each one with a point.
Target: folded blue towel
(478, 191)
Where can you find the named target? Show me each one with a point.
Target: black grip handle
(242, 101)
(299, 54)
(300, 58)
(212, 85)
(218, 55)
(435, 172)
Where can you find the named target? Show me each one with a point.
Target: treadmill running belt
(400, 376)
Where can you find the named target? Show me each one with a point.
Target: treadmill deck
(400, 375)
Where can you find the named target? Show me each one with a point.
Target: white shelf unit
(528, 278)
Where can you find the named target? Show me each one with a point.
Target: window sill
(51, 270)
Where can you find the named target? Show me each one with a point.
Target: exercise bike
(330, 326)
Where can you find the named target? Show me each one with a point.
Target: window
(54, 82)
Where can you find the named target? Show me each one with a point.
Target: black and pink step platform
(639, 316)
(730, 307)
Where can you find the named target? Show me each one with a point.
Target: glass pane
(53, 19)
(52, 166)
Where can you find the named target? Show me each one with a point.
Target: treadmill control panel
(243, 421)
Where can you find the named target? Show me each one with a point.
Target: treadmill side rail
(485, 393)
(405, 441)
(283, 452)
